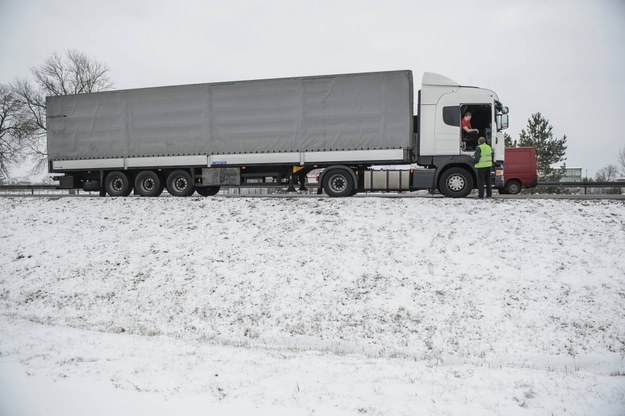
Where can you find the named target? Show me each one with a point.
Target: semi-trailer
(271, 133)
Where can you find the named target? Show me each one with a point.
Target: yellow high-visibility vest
(486, 157)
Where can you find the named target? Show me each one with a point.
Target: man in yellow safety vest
(483, 158)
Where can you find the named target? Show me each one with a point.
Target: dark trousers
(469, 139)
(483, 178)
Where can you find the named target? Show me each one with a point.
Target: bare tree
(607, 174)
(33, 143)
(621, 160)
(15, 126)
(73, 73)
(8, 146)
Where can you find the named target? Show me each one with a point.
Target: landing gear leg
(291, 187)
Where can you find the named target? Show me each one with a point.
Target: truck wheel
(513, 187)
(179, 183)
(208, 190)
(147, 183)
(455, 183)
(117, 184)
(338, 183)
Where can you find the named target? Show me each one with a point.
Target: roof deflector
(430, 78)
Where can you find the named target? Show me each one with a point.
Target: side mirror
(504, 120)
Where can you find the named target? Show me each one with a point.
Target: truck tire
(148, 183)
(513, 187)
(455, 183)
(179, 183)
(207, 190)
(117, 184)
(338, 183)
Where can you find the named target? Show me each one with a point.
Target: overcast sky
(564, 58)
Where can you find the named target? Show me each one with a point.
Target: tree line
(23, 105)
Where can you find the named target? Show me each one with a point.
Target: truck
(271, 133)
(520, 170)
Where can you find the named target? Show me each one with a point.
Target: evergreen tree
(549, 150)
(508, 140)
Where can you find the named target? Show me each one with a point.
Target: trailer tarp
(342, 112)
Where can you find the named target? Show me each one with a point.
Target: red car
(520, 169)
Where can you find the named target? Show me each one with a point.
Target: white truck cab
(442, 148)
(442, 104)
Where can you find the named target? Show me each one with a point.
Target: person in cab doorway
(483, 158)
(469, 134)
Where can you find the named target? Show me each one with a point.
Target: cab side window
(451, 116)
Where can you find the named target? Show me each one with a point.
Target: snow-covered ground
(301, 306)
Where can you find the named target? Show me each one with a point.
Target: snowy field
(311, 306)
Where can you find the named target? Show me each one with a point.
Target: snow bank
(522, 285)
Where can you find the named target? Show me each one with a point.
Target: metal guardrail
(53, 189)
(585, 185)
(38, 190)
(21, 187)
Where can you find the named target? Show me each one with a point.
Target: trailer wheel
(117, 184)
(455, 183)
(338, 183)
(179, 183)
(513, 187)
(148, 183)
(207, 190)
